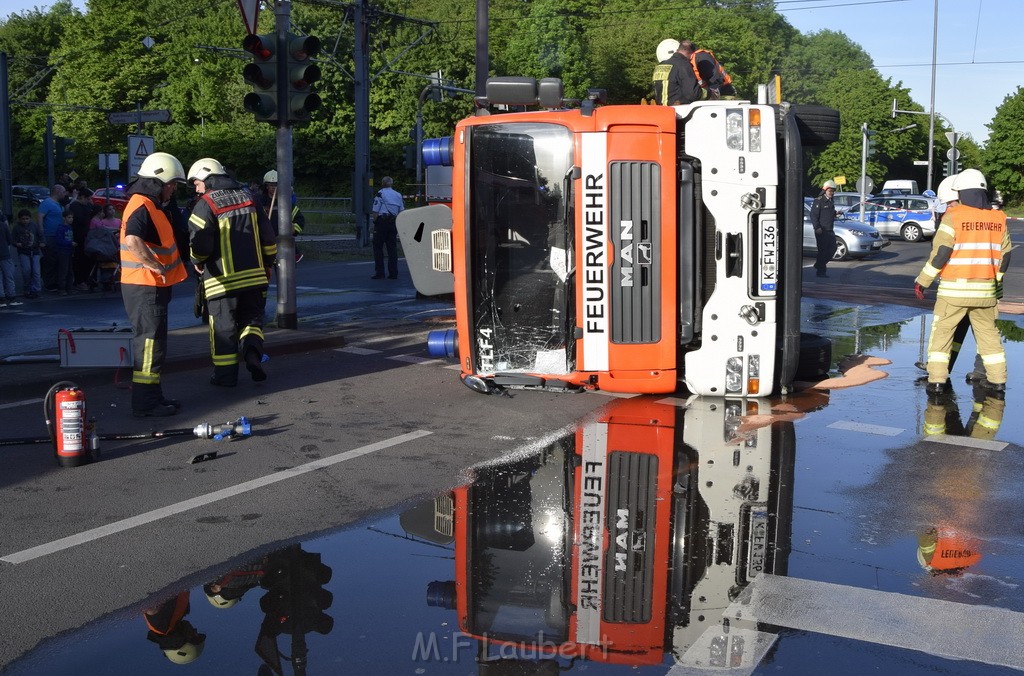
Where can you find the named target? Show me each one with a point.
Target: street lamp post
(931, 133)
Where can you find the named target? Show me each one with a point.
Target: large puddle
(648, 540)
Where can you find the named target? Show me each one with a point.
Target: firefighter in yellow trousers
(970, 253)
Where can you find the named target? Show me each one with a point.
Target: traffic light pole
(287, 315)
(863, 166)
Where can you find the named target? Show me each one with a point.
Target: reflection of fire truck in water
(623, 248)
(626, 539)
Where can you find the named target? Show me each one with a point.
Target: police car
(910, 217)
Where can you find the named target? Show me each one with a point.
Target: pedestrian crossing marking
(880, 430)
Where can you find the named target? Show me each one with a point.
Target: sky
(977, 63)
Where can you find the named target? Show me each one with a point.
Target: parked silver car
(854, 239)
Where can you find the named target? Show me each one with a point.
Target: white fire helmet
(666, 48)
(968, 179)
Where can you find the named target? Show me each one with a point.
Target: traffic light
(262, 75)
(948, 169)
(409, 159)
(63, 151)
(302, 73)
(871, 143)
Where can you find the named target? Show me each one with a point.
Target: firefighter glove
(918, 291)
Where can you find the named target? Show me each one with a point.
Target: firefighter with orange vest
(233, 248)
(150, 266)
(674, 80)
(710, 74)
(970, 253)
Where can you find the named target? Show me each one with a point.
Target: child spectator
(28, 240)
(65, 254)
(107, 218)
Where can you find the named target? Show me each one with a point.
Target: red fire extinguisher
(68, 427)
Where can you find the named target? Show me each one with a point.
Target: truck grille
(635, 232)
(629, 560)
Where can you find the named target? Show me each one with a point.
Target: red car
(117, 196)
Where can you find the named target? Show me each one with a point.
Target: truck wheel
(815, 357)
(818, 125)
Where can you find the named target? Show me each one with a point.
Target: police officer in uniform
(386, 206)
(233, 248)
(823, 216)
(970, 253)
(150, 265)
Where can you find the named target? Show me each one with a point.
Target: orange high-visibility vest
(978, 241)
(718, 66)
(132, 270)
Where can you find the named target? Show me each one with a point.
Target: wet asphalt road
(350, 440)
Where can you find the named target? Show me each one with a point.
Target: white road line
(866, 428)
(357, 350)
(952, 630)
(202, 500)
(454, 367)
(414, 359)
(985, 444)
(25, 402)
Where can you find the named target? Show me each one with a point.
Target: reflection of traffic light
(295, 598)
(63, 149)
(262, 75)
(302, 73)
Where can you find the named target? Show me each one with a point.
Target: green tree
(29, 38)
(1003, 157)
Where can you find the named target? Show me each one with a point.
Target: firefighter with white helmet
(949, 198)
(823, 216)
(268, 200)
(666, 48)
(674, 81)
(150, 265)
(970, 253)
(233, 248)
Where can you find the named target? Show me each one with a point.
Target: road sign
(109, 161)
(920, 163)
(139, 148)
(250, 10)
(139, 116)
(865, 185)
(953, 154)
(952, 137)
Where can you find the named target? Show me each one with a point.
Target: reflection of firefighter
(638, 531)
(169, 629)
(942, 416)
(228, 589)
(945, 551)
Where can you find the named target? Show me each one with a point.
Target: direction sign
(139, 116)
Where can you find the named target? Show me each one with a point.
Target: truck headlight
(734, 129)
(734, 374)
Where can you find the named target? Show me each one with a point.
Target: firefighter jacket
(970, 253)
(674, 82)
(231, 240)
(708, 70)
(143, 211)
(298, 218)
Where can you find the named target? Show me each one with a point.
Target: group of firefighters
(232, 248)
